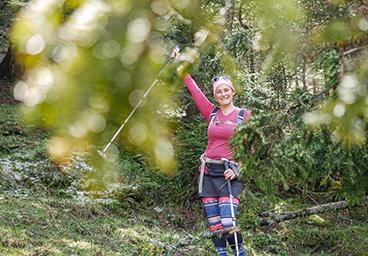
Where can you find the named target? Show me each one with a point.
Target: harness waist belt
(203, 163)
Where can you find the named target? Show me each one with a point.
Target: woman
(213, 185)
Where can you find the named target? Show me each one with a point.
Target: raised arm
(203, 104)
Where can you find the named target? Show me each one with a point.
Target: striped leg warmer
(211, 206)
(225, 210)
(227, 222)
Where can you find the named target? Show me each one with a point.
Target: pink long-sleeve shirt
(219, 133)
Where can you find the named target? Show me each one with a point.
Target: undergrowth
(132, 208)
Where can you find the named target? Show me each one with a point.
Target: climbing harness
(205, 160)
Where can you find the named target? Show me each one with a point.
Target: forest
(100, 139)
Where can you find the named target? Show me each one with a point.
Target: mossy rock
(318, 220)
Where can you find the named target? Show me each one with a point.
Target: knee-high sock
(231, 239)
(220, 244)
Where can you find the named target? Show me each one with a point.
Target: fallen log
(303, 213)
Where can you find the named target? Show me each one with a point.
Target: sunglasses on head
(216, 79)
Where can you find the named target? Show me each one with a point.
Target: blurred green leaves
(279, 23)
(86, 71)
(281, 34)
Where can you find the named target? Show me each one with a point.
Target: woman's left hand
(229, 174)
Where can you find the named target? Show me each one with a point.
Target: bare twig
(353, 50)
(25, 140)
(311, 198)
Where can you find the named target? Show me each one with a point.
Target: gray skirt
(217, 186)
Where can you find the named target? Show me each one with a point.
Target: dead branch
(25, 140)
(17, 146)
(287, 215)
(189, 239)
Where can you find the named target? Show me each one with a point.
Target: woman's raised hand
(176, 52)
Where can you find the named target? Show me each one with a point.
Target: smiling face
(224, 95)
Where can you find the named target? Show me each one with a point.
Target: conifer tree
(296, 65)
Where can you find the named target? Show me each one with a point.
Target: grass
(58, 226)
(47, 209)
(68, 226)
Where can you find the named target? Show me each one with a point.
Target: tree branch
(242, 24)
(189, 239)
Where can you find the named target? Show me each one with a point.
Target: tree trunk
(9, 70)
